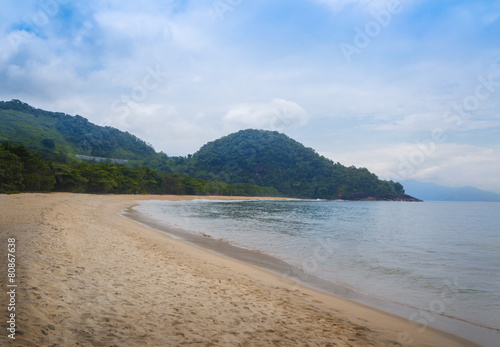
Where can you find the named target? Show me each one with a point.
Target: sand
(89, 277)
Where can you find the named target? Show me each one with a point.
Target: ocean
(439, 261)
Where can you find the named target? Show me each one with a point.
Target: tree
(38, 175)
(99, 180)
(49, 143)
(69, 178)
(398, 187)
(11, 172)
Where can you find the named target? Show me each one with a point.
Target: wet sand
(89, 277)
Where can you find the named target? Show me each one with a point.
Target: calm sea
(438, 258)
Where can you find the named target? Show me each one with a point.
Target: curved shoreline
(449, 325)
(88, 275)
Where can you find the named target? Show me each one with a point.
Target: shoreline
(88, 275)
(447, 324)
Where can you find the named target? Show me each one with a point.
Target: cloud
(412, 122)
(427, 122)
(274, 115)
(93, 59)
(163, 126)
(448, 164)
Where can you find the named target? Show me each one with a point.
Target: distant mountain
(55, 134)
(272, 159)
(435, 192)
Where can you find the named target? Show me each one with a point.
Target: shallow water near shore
(427, 261)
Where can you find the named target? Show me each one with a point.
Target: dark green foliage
(11, 172)
(249, 162)
(268, 158)
(399, 188)
(99, 141)
(38, 175)
(22, 171)
(69, 178)
(49, 143)
(55, 135)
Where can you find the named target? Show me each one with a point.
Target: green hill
(249, 161)
(55, 134)
(268, 158)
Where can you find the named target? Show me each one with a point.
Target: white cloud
(412, 122)
(448, 164)
(430, 121)
(274, 115)
(163, 126)
(95, 53)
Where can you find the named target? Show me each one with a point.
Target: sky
(409, 89)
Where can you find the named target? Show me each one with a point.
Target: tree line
(24, 171)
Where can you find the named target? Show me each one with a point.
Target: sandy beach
(88, 276)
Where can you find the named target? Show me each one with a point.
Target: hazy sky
(408, 89)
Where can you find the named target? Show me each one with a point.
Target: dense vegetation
(55, 134)
(268, 158)
(248, 162)
(22, 171)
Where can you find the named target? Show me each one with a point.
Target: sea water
(439, 258)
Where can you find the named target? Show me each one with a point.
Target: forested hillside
(272, 159)
(249, 162)
(55, 134)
